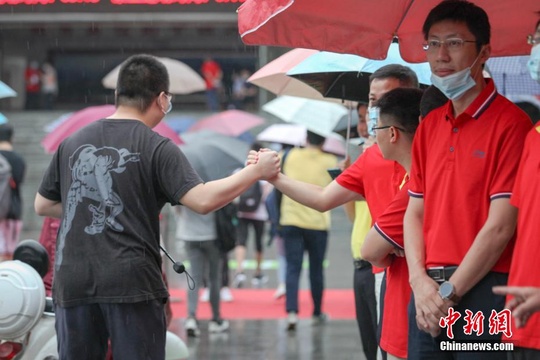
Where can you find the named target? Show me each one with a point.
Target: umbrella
(273, 76)
(317, 116)
(180, 123)
(229, 122)
(346, 76)
(81, 118)
(511, 76)
(183, 79)
(6, 91)
(214, 155)
(327, 25)
(295, 135)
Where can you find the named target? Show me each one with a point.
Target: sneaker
(225, 294)
(292, 320)
(320, 319)
(192, 329)
(280, 291)
(205, 296)
(259, 279)
(217, 326)
(239, 279)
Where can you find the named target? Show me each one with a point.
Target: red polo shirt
(398, 291)
(373, 177)
(524, 269)
(459, 165)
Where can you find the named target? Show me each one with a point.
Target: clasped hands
(268, 160)
(430, 307)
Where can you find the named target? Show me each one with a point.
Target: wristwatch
(448, 292)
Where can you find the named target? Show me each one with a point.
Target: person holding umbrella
(459, 225)
(108, 183)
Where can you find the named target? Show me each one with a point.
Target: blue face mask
(373, 117)
(534, 63)
(455, 85)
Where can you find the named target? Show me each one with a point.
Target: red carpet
(259, 304)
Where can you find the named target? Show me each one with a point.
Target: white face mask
(169, 108)
(373, 117)
(455, 85)
(534, 63)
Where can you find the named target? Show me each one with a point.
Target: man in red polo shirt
(459, 220)
(524, 281)
(370, 177)
(398, 120)
(383, 246)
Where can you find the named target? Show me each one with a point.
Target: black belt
(441, 273)
(361, 263)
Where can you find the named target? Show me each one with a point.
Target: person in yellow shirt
(305, 229)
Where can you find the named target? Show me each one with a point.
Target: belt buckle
(439, 275)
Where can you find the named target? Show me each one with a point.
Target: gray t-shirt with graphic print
(113, 177)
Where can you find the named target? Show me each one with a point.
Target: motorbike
(27, 317)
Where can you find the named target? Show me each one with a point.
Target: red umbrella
(229, 122)
(367, 27)
(83, 117)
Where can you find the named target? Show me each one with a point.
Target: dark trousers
(480, 298)
(137, 331)
(521, 353)
(296, 241)
(366, 312)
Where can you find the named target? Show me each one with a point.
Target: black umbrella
(214, 155)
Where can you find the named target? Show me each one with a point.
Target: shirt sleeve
(50, 184)
(416, 182)
(175, 174)
(390, 224)
(509, 157)
(353, 177)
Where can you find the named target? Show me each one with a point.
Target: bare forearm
(487, 247)
(208, 197)
(480, 259)
(414, 243)
(314, 196)
(46, 207)
(376, 249)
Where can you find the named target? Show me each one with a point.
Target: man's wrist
(447, 291)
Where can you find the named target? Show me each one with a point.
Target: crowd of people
(444, 181)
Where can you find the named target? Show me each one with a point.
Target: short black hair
(6, 132)
(406, 77)
(431, 99)
(140, 80)
(473, 16)
(315, 139)
(403, 106)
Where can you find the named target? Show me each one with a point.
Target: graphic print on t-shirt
(91, 170)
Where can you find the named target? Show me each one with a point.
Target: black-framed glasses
(452, 44)
(532, 40)
(387, 127)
